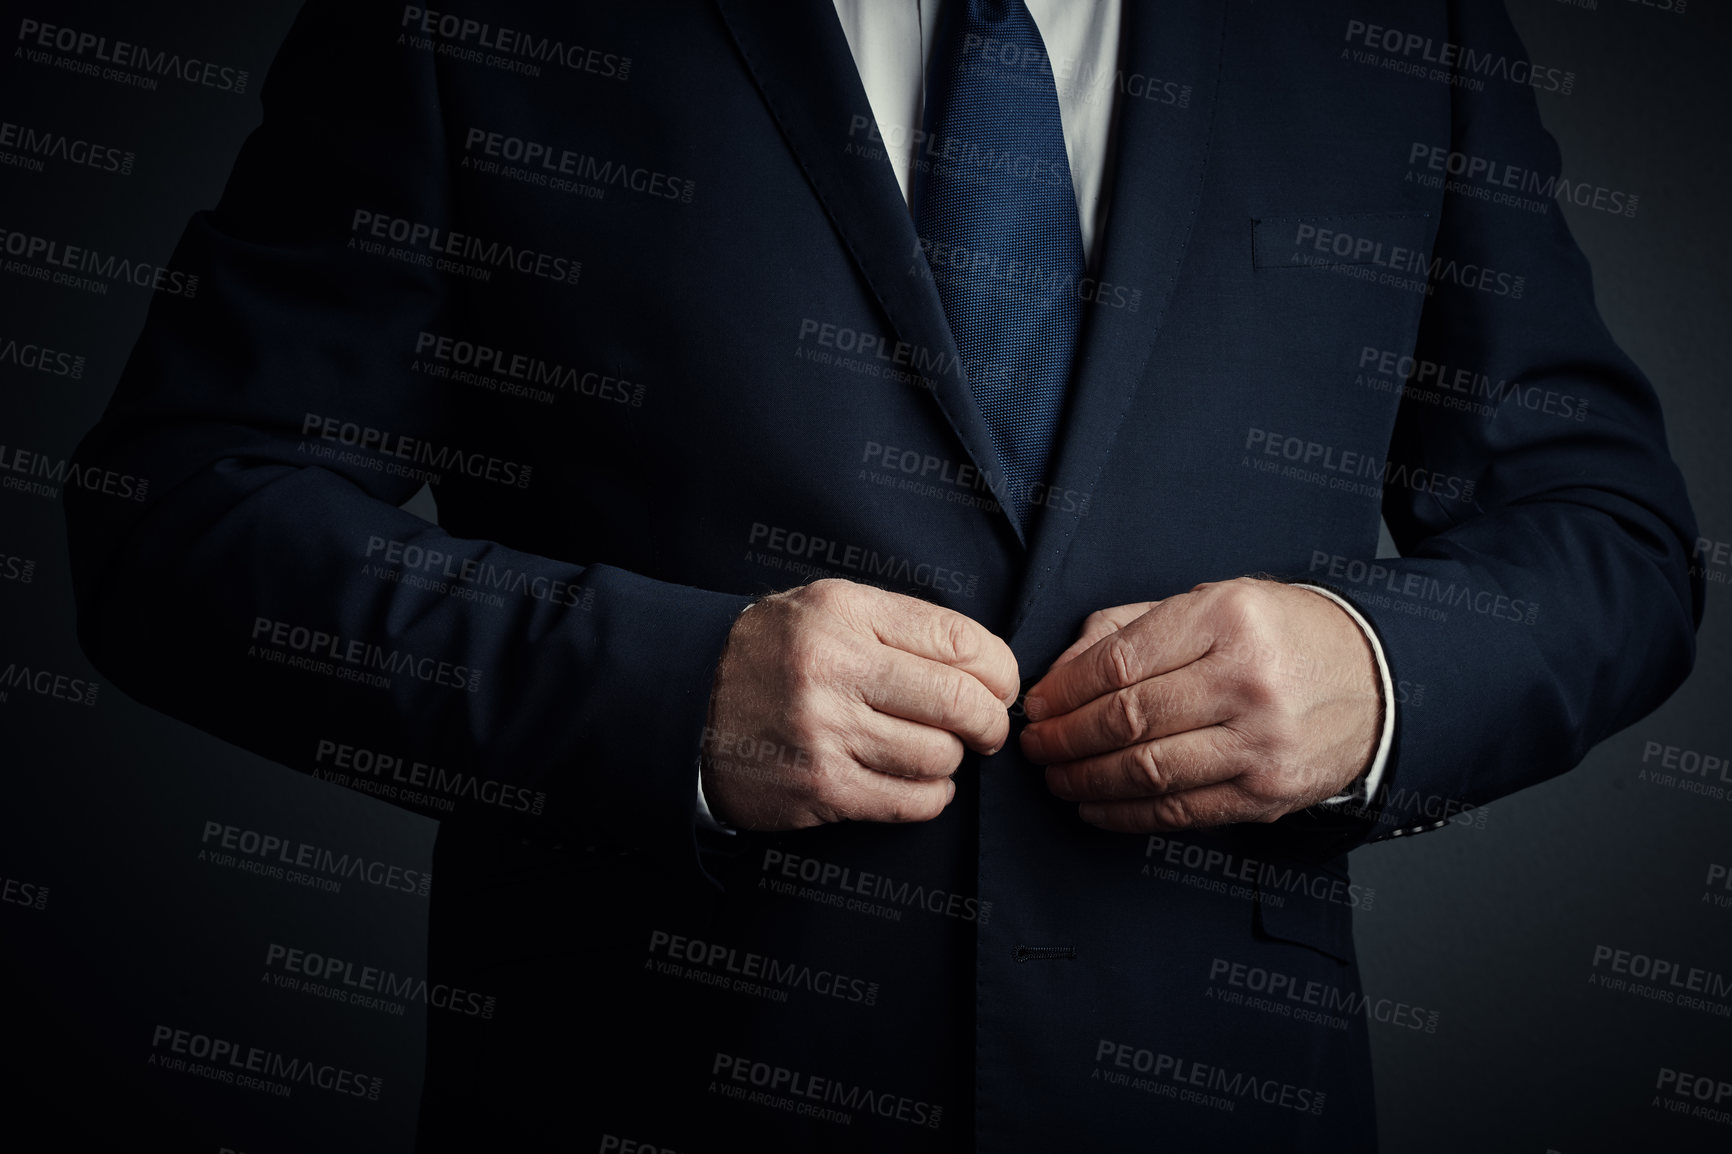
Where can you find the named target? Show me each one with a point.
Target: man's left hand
(1239, 701)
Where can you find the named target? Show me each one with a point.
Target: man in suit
(904, 638)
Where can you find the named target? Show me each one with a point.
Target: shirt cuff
(706, 819)
(1365, 787)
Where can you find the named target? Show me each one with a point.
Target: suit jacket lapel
(1155, 185)
(800, 60)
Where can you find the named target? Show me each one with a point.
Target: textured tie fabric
(997, 221)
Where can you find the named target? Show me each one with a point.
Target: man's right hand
(844, 702)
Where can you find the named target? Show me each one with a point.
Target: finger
(881, 797)
(1169, 636)
(1186, 761)
(1225, 803)
(1185, 699)
(934, 694)
(894, 747)
(1098, 625)
(944, 635)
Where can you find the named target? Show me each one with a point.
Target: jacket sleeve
(1543, 598)
(271, 419)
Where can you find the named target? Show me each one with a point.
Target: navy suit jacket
(630, 285)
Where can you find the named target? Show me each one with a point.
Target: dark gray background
(1494, 928)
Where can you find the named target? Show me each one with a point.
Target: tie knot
(997, 34)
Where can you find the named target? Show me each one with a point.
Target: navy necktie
(997, 220)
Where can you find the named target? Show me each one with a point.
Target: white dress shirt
(891, 41)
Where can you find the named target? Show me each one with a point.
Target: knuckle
(946, 755)
(1125, 716)
(832, 597)
(930, 757)
(957, 706)
(1242, 600)
(1119, 655)
(1261, 788)
(1149, 769)
(826, 592)
(922, 806)
(1172, 810)
(958, 638)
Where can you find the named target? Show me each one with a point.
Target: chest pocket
(1310, 905)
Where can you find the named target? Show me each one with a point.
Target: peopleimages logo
(800, 1093)
(40, 358)
(410, 557)
(849, 884)
(955, 480)
(370, 987)
(17, 892)
(46, 683)
(717, 964)
(517, 374)
(1422, 591)
(566, 170)
(18, 465)
(440, 460)
(1414, 268)
(86, 53)
(1270, 880)
(961, 154)
(513, 50)
(1200, 1083)
(404, 779)
(35, 145)
(914, 364)
(1498, 182)
(801, 553)
(319, 651)
(1664, 980)
(459, 253)
(1479, 393)
(1457, 62)
(1307, 1000)
(1708, 1093)
(222, 1060)
(15, 568)
(268, 854)
(1334, 462)
(75, 266)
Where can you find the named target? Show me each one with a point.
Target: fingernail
(1031, 744)
(1035, 707)
(1089, 812)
